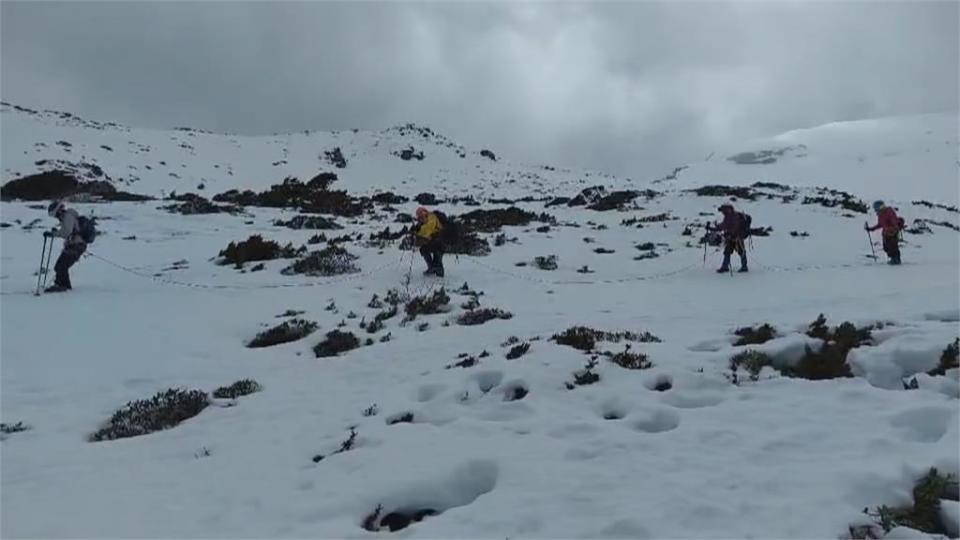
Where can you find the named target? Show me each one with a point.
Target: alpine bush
(163, 411)
(284, 332)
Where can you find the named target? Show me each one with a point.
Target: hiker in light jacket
(73, 244)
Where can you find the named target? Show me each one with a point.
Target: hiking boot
(743, 270)
(722, 270)
(430, 271)
(438, 271)
(894, 262)
(56, 288)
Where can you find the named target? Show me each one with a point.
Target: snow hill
(492, 430)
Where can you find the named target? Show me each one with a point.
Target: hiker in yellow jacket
(428, 235)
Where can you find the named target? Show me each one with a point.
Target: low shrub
(335, 343)
(631, 360)
(750, 335)
(437, 302)
(924, 514)
(256, 248)
(950, 359)
(330, 261)
(284, 332)
(482, 315)
(348, 444)
(517, 351)
(163, 411)
(243, 387)
(750, 361)
(548, 262)
(585, 338)
(308, 222)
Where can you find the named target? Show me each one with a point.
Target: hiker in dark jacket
(891, 224)
(734, 232)
(428, 235)
(73, 244)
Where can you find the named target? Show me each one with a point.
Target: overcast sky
(627, 87)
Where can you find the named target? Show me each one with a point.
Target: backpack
(451, 229)
(745, 222)
(87, 228)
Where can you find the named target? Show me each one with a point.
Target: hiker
(73, 244)
(735, 228)
(891, 224)
(428, 237)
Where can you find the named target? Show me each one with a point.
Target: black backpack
(87, 228)
(451, 229)
(745, 223)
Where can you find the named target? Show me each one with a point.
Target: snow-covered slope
(155, 162)
(895, 158)
(496, 448)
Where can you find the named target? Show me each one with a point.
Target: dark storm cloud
(632, 88)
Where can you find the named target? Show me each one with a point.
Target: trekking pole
(870, 240)
(43, 253)
(46, 269)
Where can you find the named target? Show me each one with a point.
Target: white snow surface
(774, 458)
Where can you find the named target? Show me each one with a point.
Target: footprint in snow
(925, 424)
(656, 421)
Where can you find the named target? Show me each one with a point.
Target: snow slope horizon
(777, 457)
(892, 157)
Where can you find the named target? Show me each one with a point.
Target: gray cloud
(632, 88)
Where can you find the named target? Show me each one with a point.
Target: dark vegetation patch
(749, 361)
(488, 154)
(548, 262)
(479, 316)
(59, 184)
(750, 335)
(585, 376)
(585, 339)
(372, 410)
(400, 418)
(190, 204)
(256, 248)
(832, 198)
(945, 224)
(924, 514)
(931, 205)
(630, 360)
(335, 343)
(409, 153)
(284, 332)
(437, 302)
(330, 261)
(348, 444)
(308, 222)
(335, 158)
(639, 221)
(9, 429)
(292, 193)
(603, 251)
(830, 361)
(771, 185)
(799, 234)
(950, 359)
(464, 360)
(389, 197)
(396, 520)
(243, 387)
(489, 221)
(739, 192)
(163, 411)
(919, 227)
(517, 351)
